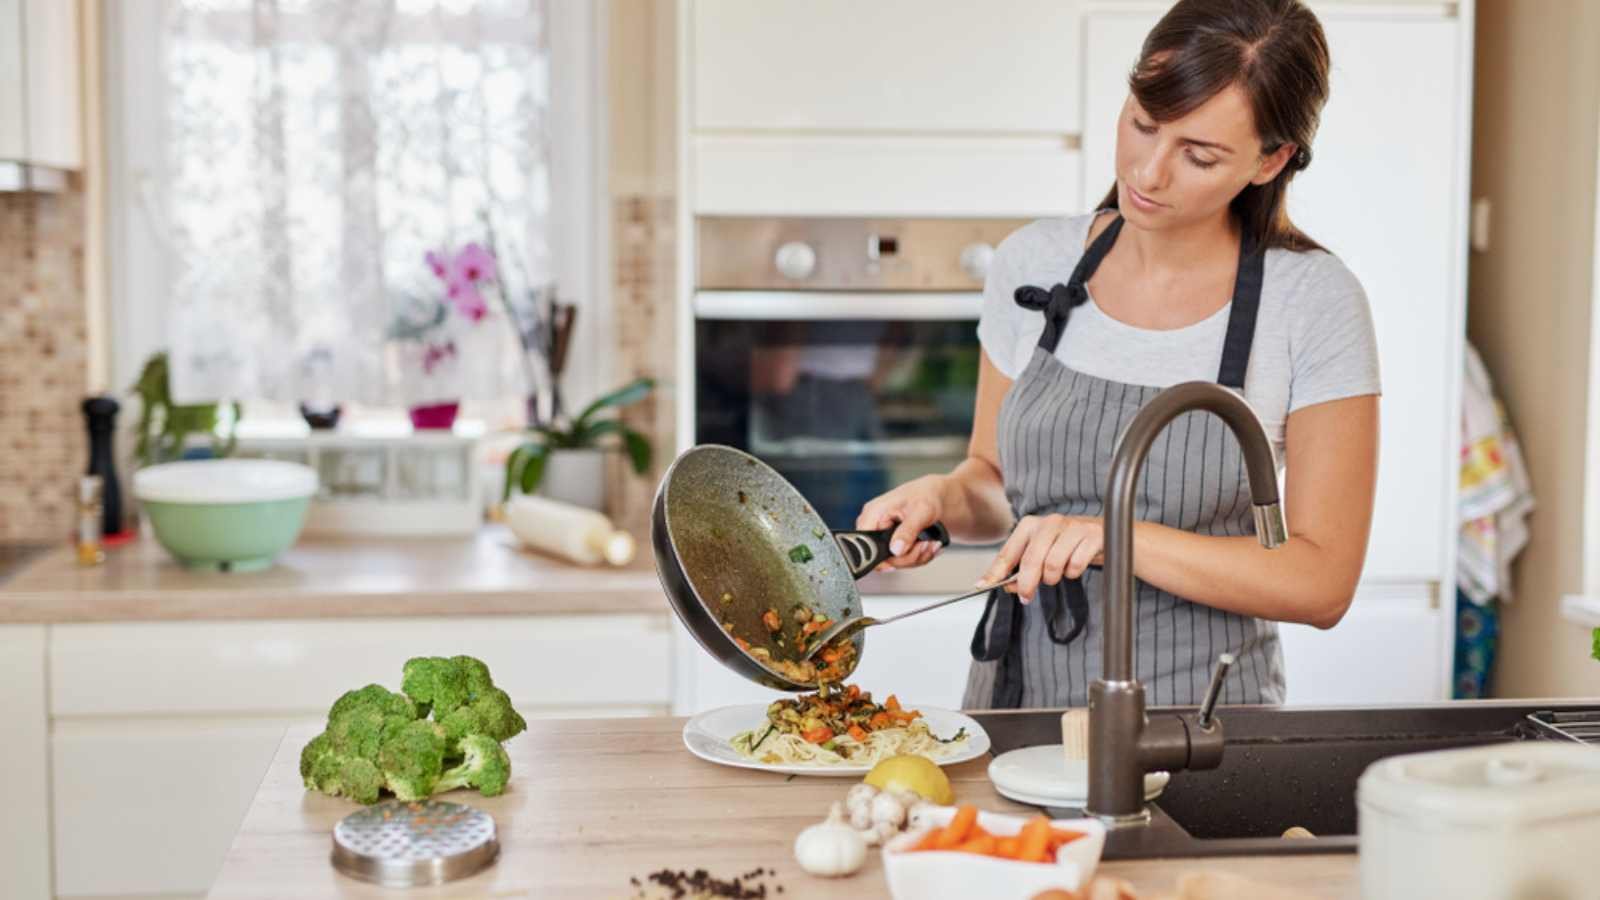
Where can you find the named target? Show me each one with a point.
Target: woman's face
(1187, 171)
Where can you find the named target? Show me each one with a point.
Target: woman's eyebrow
(1208, 144)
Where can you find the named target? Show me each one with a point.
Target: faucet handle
(1214, 690)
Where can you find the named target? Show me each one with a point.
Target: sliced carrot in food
(818, 735)
(892, 704)
(857, 733)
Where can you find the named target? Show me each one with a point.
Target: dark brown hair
(1276, 52)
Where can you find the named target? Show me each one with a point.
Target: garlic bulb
(830, 849)
(858, 806)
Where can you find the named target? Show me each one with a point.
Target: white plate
(707, 736)
(1043, 776)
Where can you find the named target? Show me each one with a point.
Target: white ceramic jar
(1504, 821)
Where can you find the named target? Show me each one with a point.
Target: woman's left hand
(1046, 549)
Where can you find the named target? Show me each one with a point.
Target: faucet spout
(1123, 742)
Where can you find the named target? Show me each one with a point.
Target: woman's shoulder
(1043, 246)
(1302, 274)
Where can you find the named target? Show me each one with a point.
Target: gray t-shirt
(1314, 340)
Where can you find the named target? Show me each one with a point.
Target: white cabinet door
(922, 660)
(1386, 650)
(150, 807)
(24, 779)
(883, 176)
(54, 102)
(13, 115)
(295, 668)
(884, 66)
(1384, 194)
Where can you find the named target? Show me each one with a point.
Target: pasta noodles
(841, 727)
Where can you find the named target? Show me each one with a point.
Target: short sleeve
(1000, 323)
(1333, 347)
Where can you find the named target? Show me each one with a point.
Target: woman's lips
(1142, 201)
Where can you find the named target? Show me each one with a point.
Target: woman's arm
(1332, 471)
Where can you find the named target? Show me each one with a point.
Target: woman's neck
(1178, 251)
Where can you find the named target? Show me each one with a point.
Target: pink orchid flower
(439, 265)
(475, 264)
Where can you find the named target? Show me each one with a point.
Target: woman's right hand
(909, 509)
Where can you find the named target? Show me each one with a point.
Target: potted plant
(426, 329)
(566, 460)
(165, 428)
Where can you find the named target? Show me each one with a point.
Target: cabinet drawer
(888, 65)
(295, 668)
(858, 176)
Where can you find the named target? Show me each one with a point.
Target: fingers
(915, 515)
(1086, 554)
(1010, 553)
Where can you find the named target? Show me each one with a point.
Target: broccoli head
(485, 767)
(475, 673)
(361, 732)
(325, 769)
(412, 758)
(497, 718)
(435, 683)
(374, 696)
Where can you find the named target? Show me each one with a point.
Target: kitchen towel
(1496, 496)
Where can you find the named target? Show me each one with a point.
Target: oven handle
(763, 306)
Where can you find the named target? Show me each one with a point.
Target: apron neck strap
(1241, 333)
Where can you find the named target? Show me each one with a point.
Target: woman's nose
(1153, 172)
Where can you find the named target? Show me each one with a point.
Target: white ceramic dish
(707, 736)
(224, 481)
(1043, 776)
(936, 875)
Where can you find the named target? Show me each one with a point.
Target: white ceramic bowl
(937, 874)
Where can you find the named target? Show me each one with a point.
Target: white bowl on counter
(1518, 819)
(941, 874)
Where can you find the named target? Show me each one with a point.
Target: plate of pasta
(838, 733)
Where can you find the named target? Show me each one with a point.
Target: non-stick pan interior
(748, 542)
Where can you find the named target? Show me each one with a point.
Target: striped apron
(1057, 431)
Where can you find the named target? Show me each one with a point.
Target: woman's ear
(1273, 163)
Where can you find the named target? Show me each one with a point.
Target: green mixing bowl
(233, 515)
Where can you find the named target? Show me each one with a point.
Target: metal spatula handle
(851, 626)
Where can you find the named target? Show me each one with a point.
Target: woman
(1190, 270)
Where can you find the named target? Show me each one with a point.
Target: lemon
(917, 774)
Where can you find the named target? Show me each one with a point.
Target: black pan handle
(863, 550)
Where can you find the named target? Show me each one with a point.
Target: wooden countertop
(484, 575)
(596, 802)
(488, 574)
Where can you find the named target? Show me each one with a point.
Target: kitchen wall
(641, 182)
(1536, 120)
(43, 362)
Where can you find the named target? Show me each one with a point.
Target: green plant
(378, 740)
(525, 465)
(164, 427)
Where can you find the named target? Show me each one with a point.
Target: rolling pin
(581, 535)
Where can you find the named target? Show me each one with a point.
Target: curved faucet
(1123, 743)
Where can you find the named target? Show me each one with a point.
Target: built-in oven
(843, 352)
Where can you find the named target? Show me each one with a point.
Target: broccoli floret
(497, 718)
(476, 675)
(486, 767)
(435, 683)
(325, 769)
(374, 696)
(412, 758)
(462, 721)
(360, 733)
(314, 750)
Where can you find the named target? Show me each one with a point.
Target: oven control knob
(975, 259)
(796, 260)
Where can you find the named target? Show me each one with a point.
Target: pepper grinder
(101, 413)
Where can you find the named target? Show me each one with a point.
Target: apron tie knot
(1056, 304)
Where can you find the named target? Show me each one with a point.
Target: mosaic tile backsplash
(43, 363)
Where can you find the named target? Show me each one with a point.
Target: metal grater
(1582, 727)
(399, 844)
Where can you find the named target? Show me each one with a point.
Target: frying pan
(727, 531)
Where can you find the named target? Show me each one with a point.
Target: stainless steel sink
(1284, 768)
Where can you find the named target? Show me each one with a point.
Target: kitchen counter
(488, 574)
(596, 802)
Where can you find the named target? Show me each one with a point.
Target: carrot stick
(1006, 847)
(1033, 839)
(1061, 836)
(983, 844)
(957, 830)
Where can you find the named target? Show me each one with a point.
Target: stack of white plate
(1043, 776)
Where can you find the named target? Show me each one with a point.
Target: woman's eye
(1143, 128)
(1201, 163)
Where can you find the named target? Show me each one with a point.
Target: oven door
(846, 395)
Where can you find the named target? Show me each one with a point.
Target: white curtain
(317, 151)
